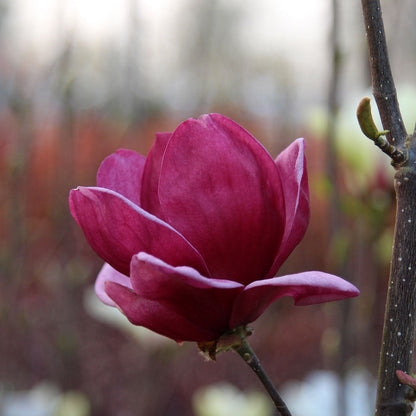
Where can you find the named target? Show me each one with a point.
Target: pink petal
(151, 174)
(117, 229)
(108, 274)
(205, 302)
(306, 288)
(122, 172)
(221, 189)
(156, 316)
(291, 164)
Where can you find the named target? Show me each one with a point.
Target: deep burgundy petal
(122, 172)
(156, 316)
(205, 302)
(221, 189)
(151, 173)
(108, 274)
(291, 164)
(306, 288)
(117, 229)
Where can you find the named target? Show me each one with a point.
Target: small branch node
(409, 381)
(406, 379)
(397, 156)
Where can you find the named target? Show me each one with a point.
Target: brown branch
(247, 354)
(384, 89)
(399, 324)
(393, 397)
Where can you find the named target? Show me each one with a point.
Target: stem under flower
(248, 355)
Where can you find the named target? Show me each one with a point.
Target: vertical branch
(333, 105)
(399, 323)
(393, 398)
(335, 217)
(382, 79)
(343, 262)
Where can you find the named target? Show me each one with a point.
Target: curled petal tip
(305, 288)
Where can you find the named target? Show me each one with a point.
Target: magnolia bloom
(194, 234)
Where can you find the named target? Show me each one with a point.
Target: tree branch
(399, 324)
(247, 354)
(382, 79)
(393, 397)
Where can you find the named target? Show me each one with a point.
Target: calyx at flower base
(226, 342)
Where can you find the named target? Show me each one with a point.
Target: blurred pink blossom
(194, 234)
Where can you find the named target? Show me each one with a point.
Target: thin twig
(248, 355)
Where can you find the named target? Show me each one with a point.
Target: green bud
(365, 119)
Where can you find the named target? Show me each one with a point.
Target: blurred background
(82, 78)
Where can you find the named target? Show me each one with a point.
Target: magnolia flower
(194, 234)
